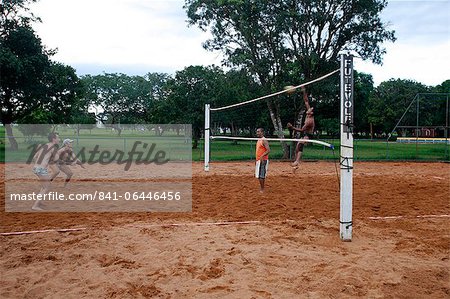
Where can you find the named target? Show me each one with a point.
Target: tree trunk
(195, 137)
(277, 125)
(12, 140)
(371, 131)
(299, 122)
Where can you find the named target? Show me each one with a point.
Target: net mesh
(238, 123)
(425, 117)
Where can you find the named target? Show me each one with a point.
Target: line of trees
(266, 45)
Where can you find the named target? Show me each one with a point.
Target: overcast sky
(136, 37)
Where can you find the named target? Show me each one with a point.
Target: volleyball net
(236, 123)
(239, 121)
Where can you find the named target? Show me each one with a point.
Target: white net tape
(275, 139)
(276, 93)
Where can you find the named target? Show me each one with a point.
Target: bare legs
(298, 154)
(66, 170)
(45, 181)
(261, 185)
(297, 159)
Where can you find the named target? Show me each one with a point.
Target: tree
(156, 111)
(128, 99)
(22, 64)
(444, 87)
(30, 81)
(64, 94)
(281, 40)
(363, 87)
(190, 90)
(122, 98)
(15, 14)
(237, 87)
(389, 101)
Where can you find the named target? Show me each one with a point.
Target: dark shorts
(310, 136)
(301, 144)
(261, 169)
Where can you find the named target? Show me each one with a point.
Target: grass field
(364, 150)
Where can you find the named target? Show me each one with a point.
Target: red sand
(292, 249)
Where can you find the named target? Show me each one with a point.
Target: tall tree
(363, 89)
(155, 111)
(121, 98)
(239, 87)
(128, 99)
(280, 40)
(15, 14)
(190, 90)
(30, 81)
(389, 101)
(444, 106)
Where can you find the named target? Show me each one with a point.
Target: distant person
(307, 130)
(262, 158)
(43, 158)
(64, 158)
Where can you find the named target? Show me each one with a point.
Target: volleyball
(290, 89)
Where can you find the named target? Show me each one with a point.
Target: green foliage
(29, 131)
(127, 99)
(23, 65)
(389, 101)
(32, 86)
(284, 41)
(190, 90)
(266, 36)
(363, 88)
(15, 14)
(364, 150)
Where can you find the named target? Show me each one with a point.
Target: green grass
(364, 150)
(171, 144)
(226, 150)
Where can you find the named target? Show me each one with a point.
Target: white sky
(136, 37)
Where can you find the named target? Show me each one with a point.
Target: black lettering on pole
(348, 94)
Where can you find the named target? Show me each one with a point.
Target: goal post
(346, 153)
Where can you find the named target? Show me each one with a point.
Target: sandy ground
(282, 244)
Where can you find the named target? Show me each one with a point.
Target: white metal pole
(346, 160)
(207, 140)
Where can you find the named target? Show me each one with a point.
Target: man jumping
(307, 129)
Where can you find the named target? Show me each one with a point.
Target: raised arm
(305, 98)
(290, 126)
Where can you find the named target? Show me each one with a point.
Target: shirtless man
(43, 159)
(63, 158)
(307, 129)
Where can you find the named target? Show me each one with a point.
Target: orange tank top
(260, 150)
